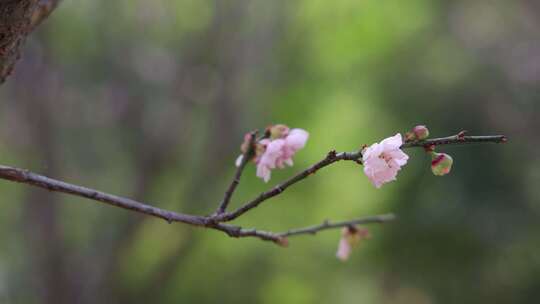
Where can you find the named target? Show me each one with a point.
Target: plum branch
(217, 220)
(356, 156)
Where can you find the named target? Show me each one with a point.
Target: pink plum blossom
(279, 152)
(295, 140)
(270, 158)
(383, 160)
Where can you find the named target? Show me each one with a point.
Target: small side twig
(238, 174)
(458, 139)
(331, 158)
(329, 225)
(281, 238)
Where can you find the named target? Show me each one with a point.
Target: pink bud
(441, 163)
(245, 144)
(421, 132)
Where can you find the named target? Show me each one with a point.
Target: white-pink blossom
(269, 159)
(383, 160)
(295, 140)
(279, 152)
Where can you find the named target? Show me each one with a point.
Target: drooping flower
(441, 163)
(344, 249)
(383, 160)
(350, 237)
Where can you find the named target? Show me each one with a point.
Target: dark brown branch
(238, 174)
(27, 177)
(40, 181)
(333, 157)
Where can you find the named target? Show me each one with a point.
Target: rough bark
(17, 19)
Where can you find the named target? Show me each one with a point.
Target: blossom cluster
(382, 161)
(277, 150)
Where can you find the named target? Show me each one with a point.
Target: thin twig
(238, 174)
(328, 225)
(281, 238)
(456, 140)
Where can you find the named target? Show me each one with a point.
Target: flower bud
(441, 163)
(245, 144)
(410, 136)
(421, 132)
(278, 131)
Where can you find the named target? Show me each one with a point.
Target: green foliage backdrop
(150, 99)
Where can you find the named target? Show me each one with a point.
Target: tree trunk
(17, 19)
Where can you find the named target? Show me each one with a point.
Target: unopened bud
(421, 132)
(410, 136)
(441, 163)
(245, 144)
(278, 131)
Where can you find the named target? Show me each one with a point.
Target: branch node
(332, 155)
(234, 231)
(461, 135)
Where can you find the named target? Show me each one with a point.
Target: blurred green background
(150, 100)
